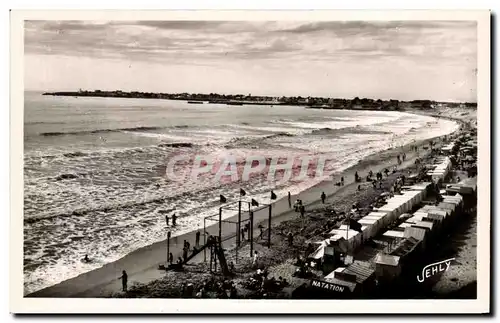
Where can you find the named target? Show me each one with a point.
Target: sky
(403, 60)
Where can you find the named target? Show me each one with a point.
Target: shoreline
(142, 264)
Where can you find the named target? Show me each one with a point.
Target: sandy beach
(142, 264)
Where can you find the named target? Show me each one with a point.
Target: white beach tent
(416, 233)
(433, 208)
(394, 234)
(382, 217)
(371, 227)
(424, 225)
(320, 250)
(352, 237)
(404, 225)
(419, 215)
(393, 210)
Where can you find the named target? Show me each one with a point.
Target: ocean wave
(356, 130)
(176, 145)
(83, 132)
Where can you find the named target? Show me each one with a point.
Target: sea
(95, 168)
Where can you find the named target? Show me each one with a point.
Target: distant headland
(240, 99)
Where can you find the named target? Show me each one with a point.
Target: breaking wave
(55, 134)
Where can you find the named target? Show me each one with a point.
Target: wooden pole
(238, 226)
(204, 239)
(168, 246)
(220, 223)
(269, 226)
(250, 233)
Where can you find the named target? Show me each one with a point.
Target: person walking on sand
(197, 241)
(323, 197)
(261, 228)
(124, 278)
(289, 200)
(170, 258)
(255, 259)
(166, 219)
(174, 220)
(290, 239)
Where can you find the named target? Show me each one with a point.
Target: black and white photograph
(205, 156)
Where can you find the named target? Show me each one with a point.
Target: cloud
(202, 40)
(291, 50)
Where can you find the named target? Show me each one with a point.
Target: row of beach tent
(440, 170)
(371, 224)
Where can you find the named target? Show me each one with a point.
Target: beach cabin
(408, 251)
(369, 228)
(383, 219)
(467, 186)
(403, 226)
(387, 268)
(392, 210)
(419, 234)
(353, 238)
(364, 275)
(392, 238)
(447, 206)
(436, 219)
(426, 225)
(404, 202)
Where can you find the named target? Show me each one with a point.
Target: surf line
(435, 268)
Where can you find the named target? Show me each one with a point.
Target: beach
(142, 264)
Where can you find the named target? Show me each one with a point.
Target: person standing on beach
(197, 241)
(166, 219)
(124, 278)
(185, 253)
(255, 259)
(261, 228)
(342, 180)
(323, 197)
(174, 219)
(289, 200)
(170, 258)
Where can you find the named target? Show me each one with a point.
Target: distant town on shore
(240, 99)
